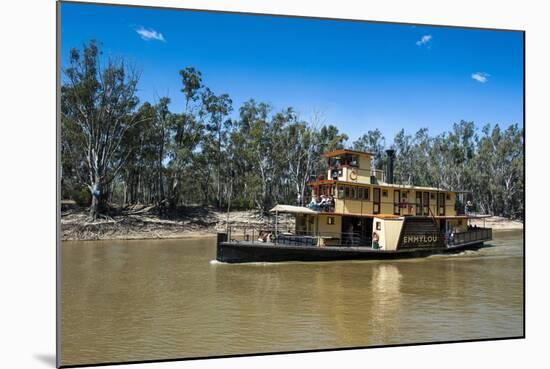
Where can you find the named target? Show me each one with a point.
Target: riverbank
(143, 223)
(497, 223)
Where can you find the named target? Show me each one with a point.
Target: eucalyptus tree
(162, 122)
(184, 136)
(375, 142)
(143, 180)
(404, 160)
(499, 171)
(244, 152)
(97, 106)
(462, 148)
(301, 152)
(261, 145)
(215, 111)
(330, 138)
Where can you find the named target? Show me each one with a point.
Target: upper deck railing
(380, 175)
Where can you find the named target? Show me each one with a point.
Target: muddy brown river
(161, 299)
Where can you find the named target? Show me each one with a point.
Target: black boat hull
(247, 252)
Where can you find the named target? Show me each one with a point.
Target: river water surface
(161, 299)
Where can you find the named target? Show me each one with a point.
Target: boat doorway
(356, 231)
(376, 201)
(442, 226)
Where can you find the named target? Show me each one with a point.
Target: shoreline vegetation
(176, 172)
(141, 222)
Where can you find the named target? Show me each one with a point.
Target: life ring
(353, 175)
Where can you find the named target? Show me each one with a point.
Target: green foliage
(151, 155)
(374, 142)
(97, 112)
(488, 165)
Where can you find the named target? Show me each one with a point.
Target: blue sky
(359, 75)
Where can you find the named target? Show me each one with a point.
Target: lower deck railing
(300, 238)
(266, 234)
(327, 239)
(470, 236)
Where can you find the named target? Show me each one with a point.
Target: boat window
(366, 194)
(378, 226)
(352, 193)
(448, 197)
(432, 196)
(385, 193)
(340, 192)
(360, 193)
(330, 220)
(346, 192)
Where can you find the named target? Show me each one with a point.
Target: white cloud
(481, 77)
(424, 40)
(150, 34)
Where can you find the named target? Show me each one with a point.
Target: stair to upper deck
(423, 231)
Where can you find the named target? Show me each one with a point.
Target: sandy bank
(498, 223)
(191, 222)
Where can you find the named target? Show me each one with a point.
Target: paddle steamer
(358, 212)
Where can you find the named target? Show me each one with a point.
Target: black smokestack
(389, 166)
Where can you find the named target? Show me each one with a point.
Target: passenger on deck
(468, 207)
(265, 236)
(349, 235)
(375, 239)
(313, 204)
(448, 236)
(324, 202)
(261, 236)
(329, 203)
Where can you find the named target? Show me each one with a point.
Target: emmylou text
(420, 239)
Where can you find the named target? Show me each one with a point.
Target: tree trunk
(94, 207)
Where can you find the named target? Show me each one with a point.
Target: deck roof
(338, 152)
(396, 186)
(292, 209)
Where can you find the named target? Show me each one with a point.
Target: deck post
(276, 223)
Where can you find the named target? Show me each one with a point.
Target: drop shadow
(48, 359)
